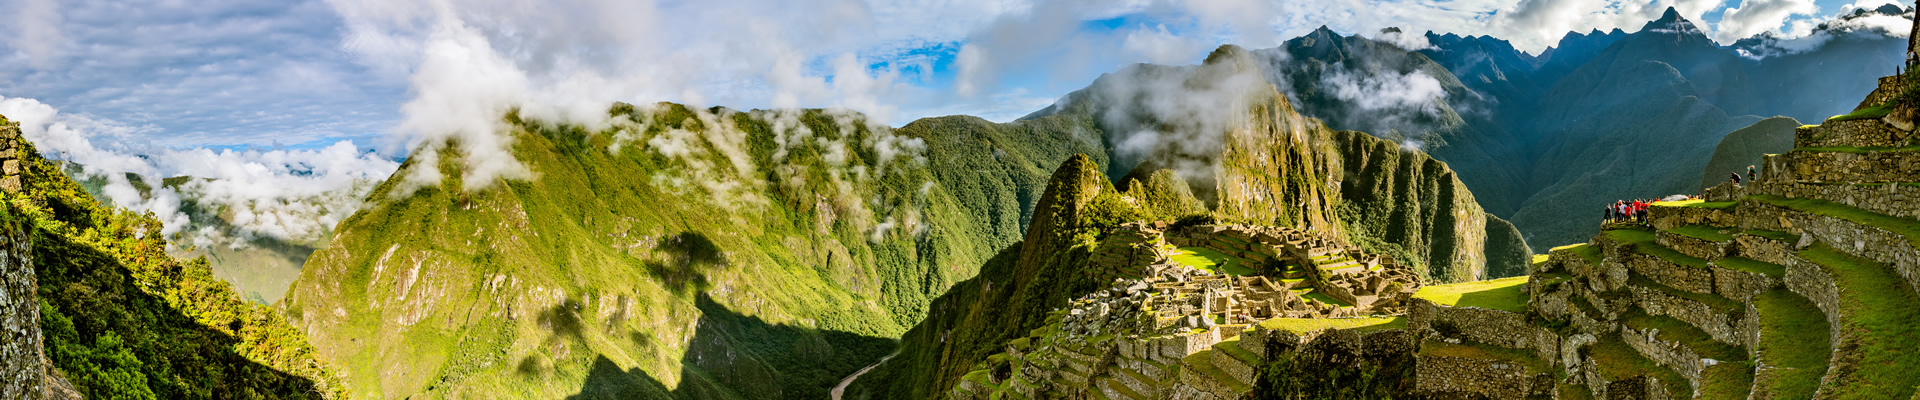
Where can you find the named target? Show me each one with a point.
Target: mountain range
(685, 252)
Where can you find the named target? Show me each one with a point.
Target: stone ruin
(1159, 314)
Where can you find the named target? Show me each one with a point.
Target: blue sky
(309, 73)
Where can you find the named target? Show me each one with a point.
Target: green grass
(1584, 250)
(1324, 298)
(1905, 227)
(1470, 350)
(1211, 260)
(1507, 294)
(1618, 361)
(1727, 380)
(1775, 235)
(1643, 242)
(1674, 330)
(1795, 340)
(1880, 316)
(1305, 325)
(1750, 265)
(1707, 233)
(1865, 113)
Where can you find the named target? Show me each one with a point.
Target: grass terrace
(1362, 325)
(1508, 294)
(1865, 113)
(1643, 242)
(1744, 264)
(1707, 233)
(1775, 235)
(1905, 227)
(1795, 341)
(1211, 260)
(1585, 251)
(1618, 361)
(1674, 330)
(1879, 310)
(1729, 380)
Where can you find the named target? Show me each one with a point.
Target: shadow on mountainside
(732, 355)
(115, 340)
(687, 255)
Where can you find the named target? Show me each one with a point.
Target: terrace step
(1121, 390)
(1859, 132)
(1901, 199)
(1699, 241)
(1877, 325)
(1616, 361)
(1200, 364)
(1852, 230)
(1793, 347)
(1676, 344)
(1844, 164)
(1718, 316)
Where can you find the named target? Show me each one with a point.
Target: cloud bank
(287, 195)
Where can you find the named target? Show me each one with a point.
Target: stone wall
(1664, 217)
(1859, 133)
(1674, 355)
(1845, 236)
(1447, 377)
(1699, 248)
(12, 177)
(1890, 199)
(22, 373)
(1870, 167)
(1721, 324)
(1479, 325)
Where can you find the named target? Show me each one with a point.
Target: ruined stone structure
(1166, 330)
(12, 177)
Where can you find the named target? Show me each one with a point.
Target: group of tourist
(1628, 211)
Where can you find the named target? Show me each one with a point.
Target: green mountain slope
(693, 253)
(124, 320)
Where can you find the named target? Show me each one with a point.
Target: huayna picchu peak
(868, 200)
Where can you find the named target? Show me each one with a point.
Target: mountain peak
(1670, 16)
(1671, 22)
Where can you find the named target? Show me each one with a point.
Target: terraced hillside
(1801, 284)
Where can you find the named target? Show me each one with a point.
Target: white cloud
(1405, 41)
(292, 195)
(1755, 16)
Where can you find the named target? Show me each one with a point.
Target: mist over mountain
(1602, 115)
